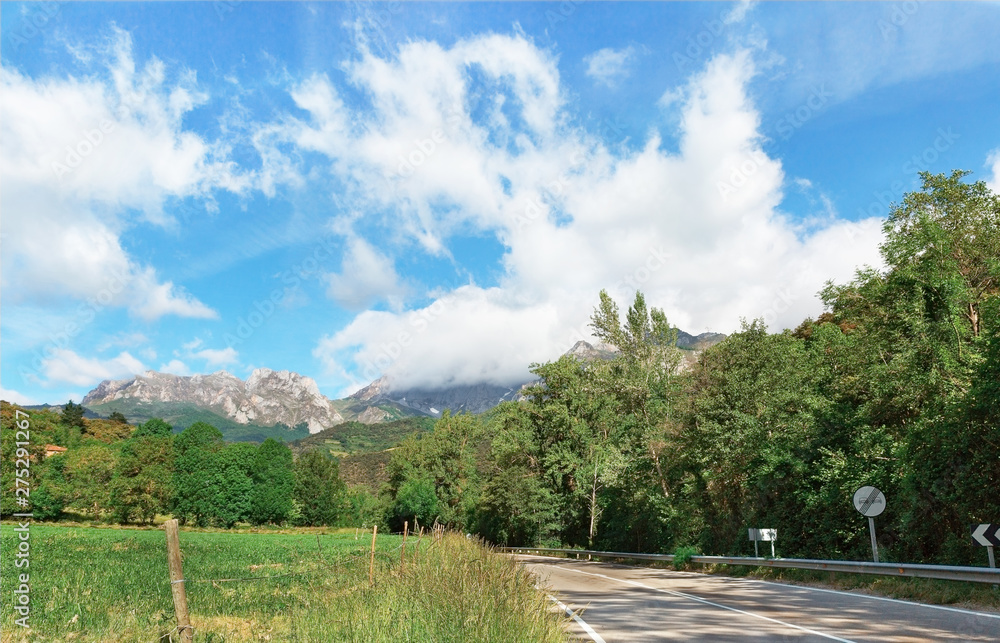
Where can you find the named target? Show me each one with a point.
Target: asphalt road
(620, 603)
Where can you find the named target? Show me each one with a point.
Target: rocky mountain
(273, 398)
(478, 398)
(700, 342)
(586, 352)
(266, 398)
(471, 398)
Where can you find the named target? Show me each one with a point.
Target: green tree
(154, 427)
(87, 476)
(143, 484)
(231, 484)
(194, 472)
(318, 489)
(273, 483)
(119, 417)
(446, 458)
(47, 498)
(72, 414)
(517, 505)
(417, 500)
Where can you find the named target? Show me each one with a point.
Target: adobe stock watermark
(225, 7)
(740, 175)
(392, 350)
(379, 16)
(656, 259)
(562, 12)
(534, 208)
(698, 44)
(899, 15)
(920, 162)
(75, 154)
(782, 303)
(792, 121)
(84, 315)
(263, 309)
(34, 24)
(422, 150)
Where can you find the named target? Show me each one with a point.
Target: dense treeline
(896, 384)
(113, 471)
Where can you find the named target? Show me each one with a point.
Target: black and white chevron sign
(987, 535)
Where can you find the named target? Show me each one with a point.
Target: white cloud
(366, 276)
(697, 230)
(739, 12)
(218, 356)
(213, 357)
(993, 161)
(175, 367)
(67, 366)
(607, 66)
(882, 44)
(123, 339)
(82, 156)
(12, 396)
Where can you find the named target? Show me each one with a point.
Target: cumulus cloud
(12, 396)
(84, 159)
(67, 366)
(607, 66)
(366, 276)
(175, 367)
(213, 357)
(993, 162)
(218, 356)
(443, 151)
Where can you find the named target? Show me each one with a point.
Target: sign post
(765, 535)
(987, 535)
(870, 502)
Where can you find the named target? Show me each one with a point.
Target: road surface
(618, 603)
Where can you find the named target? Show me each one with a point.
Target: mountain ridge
(271, 399)
(267, 397)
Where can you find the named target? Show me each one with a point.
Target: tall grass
(112, 585)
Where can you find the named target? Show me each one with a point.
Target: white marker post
(870, 502)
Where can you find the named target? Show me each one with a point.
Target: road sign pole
(772, 549)
(756, 552)
(871, 526)
(993, 561)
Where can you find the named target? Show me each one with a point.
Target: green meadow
(105, 584)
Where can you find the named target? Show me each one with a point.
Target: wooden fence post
(371, 565)
(402, 549)
(177, 581)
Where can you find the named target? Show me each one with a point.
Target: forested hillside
(896, 384)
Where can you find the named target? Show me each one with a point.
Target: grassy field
(94, 584)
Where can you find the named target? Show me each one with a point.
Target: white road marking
(877, 598)
(586, 628)
(702, 600)
(817, 589)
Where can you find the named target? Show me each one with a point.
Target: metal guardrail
(941, 572)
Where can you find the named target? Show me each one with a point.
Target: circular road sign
(869, 501)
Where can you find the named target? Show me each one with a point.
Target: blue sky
(438, 192)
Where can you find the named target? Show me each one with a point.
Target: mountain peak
(267, 397)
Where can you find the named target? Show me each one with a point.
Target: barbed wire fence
(185, 630)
